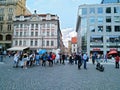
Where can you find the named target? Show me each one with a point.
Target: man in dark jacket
(63, 58)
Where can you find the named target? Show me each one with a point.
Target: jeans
(37, 62)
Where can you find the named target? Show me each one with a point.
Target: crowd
(25, 60)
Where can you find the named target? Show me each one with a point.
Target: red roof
(74, 40)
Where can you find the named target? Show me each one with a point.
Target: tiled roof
(74, 40)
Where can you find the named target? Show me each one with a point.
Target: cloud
(67, 33)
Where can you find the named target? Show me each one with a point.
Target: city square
(58, 77)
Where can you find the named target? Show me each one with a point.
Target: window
(1, 18)
(36, 26)
(92, 20)
(52, 34)
(96, 38)
(36, 43)
(108, 19)
(20, 42)
(36, 33)
(117, 28)
(24, 43)
(100, 28)
(108, 29)
(8, 37)
(24, 33)
(17, 26)
(10, 10)
(1, 10)
(16, 33)
(108, 10)
(21, 25)
(52, 43)
(100, 10)
(10, 17)
(117, 19)
(92, 10)
(32, 26)
(20, 34)
(32, 33)
(116, 9)
(47, 43)
(16, 42)
(100, 19)
(84, 11)
(1, 37)
(47, 33)
(9, 27)
(92, 28)
(1, 27)
(31, 42)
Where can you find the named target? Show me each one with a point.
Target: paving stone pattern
(58, 77)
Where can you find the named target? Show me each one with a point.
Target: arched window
(8, 37)
(1, 37)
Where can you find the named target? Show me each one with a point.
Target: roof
(74, 40)
(17, 48)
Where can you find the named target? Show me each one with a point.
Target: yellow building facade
(8, 10)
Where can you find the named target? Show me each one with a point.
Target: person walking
(79, 61)
(93, 59)
(63, 58)
(117, 59)
(85, 58)
(16, 59)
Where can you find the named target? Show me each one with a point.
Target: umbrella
(42, 51)
(112, 52)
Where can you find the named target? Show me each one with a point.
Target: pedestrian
(45, 58)
(85, 58)
(25, 60)
(117, 59)
(16, 59)
(79, 61)
(63, 58)
(1, 57)
(76, 58)
(93, 59)
(37, 59)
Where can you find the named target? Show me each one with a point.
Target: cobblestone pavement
(58, 77)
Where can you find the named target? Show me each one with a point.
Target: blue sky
(66, 10)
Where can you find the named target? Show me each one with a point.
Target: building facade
(37, 31)
(110, 1)
(9, 9)
(74, 44)
(98, 28)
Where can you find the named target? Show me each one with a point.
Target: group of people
(79, 58)
(25, 59)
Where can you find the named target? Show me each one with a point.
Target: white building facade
(37, 31)
(74, 48)
(98, 28)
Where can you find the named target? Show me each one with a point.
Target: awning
(17, 48)
(112, 52)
